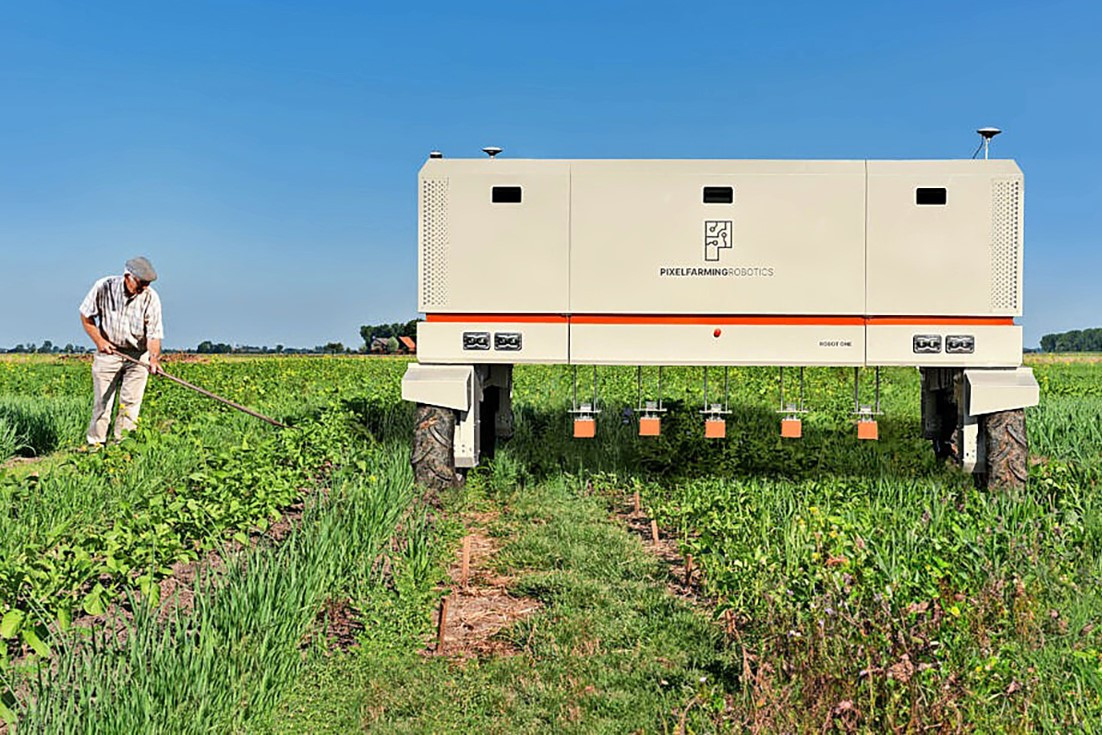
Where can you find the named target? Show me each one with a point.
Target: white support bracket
(986, 391)
(972, 450)
(992, 390)
(450, 386)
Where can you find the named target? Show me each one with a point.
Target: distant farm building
(392, 346)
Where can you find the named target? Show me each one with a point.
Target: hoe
(207, 393)
(718, 263)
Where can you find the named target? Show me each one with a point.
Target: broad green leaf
(37, 644)
(11, 623)
(93, 602)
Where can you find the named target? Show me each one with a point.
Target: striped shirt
(125, 319)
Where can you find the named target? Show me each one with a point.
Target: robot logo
(717, 236)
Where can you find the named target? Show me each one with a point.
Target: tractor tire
(1007, 450)
(433, 456)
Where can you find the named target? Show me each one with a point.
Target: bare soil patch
(479, 606)
(341, 623)
(14, 462)
(185, 357)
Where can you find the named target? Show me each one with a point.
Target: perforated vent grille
(434, 243)
(1006, 239)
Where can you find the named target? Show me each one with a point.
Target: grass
(192, 475)
(223, 665)
(10, 442)
(92, 528)
(610, 651)
(958, 592)
(1068, 428)
(872, 587)
(33, 426)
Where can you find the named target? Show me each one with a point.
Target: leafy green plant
(865, 573)
(225, 663)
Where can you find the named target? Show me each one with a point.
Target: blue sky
(264, 154)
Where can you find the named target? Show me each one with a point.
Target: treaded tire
(1007, 449)
(433, 456)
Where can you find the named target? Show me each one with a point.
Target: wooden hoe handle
(207, 393)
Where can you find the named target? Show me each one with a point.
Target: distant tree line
(376, 338)
(370, 333)
(221, 348)
(1077, 340)
(206, 347)
(48, 348)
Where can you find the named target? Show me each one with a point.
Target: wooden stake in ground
(688, 569)
(654, 530)
(441, 625)
(636, 499)
(465, 564)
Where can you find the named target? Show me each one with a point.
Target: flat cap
(142, 269)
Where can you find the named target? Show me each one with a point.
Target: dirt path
(14, 462)
(20, 466)
(479, 604)
(562, 623)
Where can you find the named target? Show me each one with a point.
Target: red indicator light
(717, 332)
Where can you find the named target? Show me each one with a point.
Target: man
(129, 323)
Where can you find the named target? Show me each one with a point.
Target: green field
(180, 581)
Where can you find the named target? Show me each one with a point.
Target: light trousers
(111, 376)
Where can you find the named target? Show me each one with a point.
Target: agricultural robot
(721, 263)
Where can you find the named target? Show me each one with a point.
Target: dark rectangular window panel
(506, 195)
(930, 195)
(719, 195)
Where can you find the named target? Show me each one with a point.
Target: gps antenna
(987, 134)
